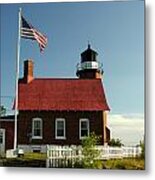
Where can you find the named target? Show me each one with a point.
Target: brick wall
(9, 133)
(89, 74)
(48, 117)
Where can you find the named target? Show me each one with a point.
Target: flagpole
(16, 79)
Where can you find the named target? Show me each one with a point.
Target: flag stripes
(29, 32)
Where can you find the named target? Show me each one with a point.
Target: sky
(114, 29)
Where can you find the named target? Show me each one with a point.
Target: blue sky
(114, 29)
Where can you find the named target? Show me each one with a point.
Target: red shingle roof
(62, 94)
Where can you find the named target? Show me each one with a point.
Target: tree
(115, 143)
(2, 111)
(142, 145)
(90, 153)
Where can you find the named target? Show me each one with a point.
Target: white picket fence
(64, 156)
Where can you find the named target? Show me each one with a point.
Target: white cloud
(127, 127)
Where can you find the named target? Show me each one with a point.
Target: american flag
(29, 32)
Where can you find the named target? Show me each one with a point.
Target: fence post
(47, 160)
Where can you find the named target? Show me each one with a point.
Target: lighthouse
(89, 67)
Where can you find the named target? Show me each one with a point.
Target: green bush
(115, 143)
(90, 153)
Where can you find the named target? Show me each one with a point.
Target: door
(2, 141)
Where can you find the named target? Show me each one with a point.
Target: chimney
(28, 71)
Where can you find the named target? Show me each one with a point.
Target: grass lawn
(28, 160)
(34, 156)
(39, 160)
(126, 163)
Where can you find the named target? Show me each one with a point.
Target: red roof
(62, 94)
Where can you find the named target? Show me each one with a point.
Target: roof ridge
(63, 79)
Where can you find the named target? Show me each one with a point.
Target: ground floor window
(1, 137)
(37, 128)
(83, 128)
(60, 132)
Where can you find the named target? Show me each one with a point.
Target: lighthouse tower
(90, 67)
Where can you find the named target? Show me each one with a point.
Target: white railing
(118, 152)
(64, 155)
(89, 65)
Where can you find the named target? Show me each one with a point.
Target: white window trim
(83, 120)
(64, 121)
(33, 136)
(2, 146)
(3, 136)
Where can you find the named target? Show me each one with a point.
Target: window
(1, 137)
(60, 129)
(84, 128)
(37, 128)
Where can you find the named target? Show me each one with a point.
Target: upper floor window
(60, 132)
(84, 128)
(37, 128)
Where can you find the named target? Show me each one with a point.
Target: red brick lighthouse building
(61, 111)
